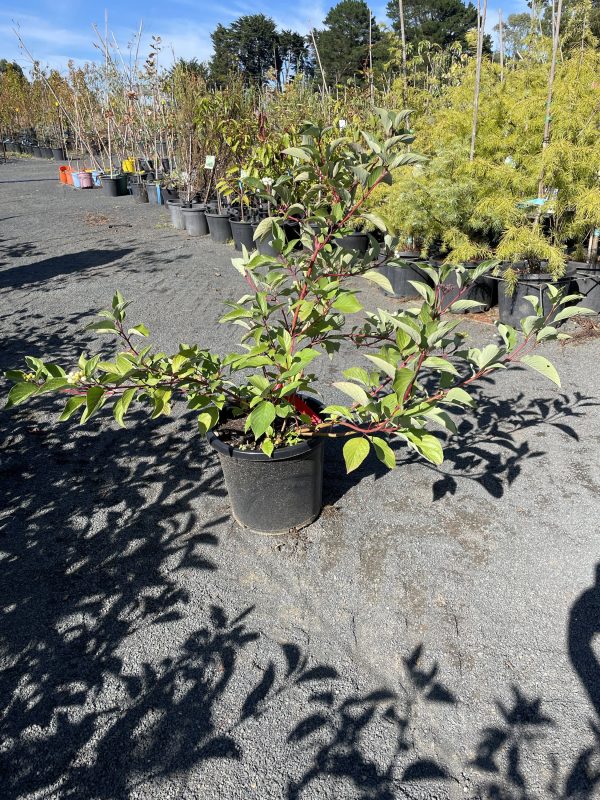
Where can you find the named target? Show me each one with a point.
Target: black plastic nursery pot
(356, 242)
(37, 151)
(194, 220)
(137, 189)
(47, 152)
(219, 226)
(512, 308)
(114, 185)
(58, 154)
(273, 495)
(174, 209)
(168, 194)
(586, 281)
(264, 246)
(242, 233)
(483, 290)
(400, 276)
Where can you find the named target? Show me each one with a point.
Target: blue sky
(56, 30)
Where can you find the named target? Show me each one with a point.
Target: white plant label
(210, 162)
(342, 124)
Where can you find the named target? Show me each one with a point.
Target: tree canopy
(440, 22)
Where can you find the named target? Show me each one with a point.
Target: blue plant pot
(76, 181)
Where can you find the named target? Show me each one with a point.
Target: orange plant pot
(63, 172)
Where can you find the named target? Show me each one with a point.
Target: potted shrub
(235, 187)
(258, 404)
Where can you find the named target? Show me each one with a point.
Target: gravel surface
(430, 636)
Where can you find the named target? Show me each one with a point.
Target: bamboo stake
(403, 40)
(312, 33)
(371, 58)
(546, 140)
(501, 32)
(480, 33)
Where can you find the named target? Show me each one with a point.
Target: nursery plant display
(259, 403)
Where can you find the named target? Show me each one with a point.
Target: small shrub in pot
(260, 401)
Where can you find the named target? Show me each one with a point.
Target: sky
(56, 30)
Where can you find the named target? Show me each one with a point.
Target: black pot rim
(188, 210)
(280, 454)
(539, 277)
(220, 216)
(175, 203)
(240, 222)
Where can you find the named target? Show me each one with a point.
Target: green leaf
(267, 447)
(384, 452)
(347, 303)
(53, 385)
(572, 311)
(92, 400)
(263, 227)
(122, 404)
(376, 219)
(379, 279)
(260, 418)
(208, 419)
(355, 451)
(355, 392)
(357, 374)
(104, 326)
(404, 378)
(460, 397)
(71, 406)
(19, 393)
(428, 445)
(543, 366)
(464, 305)
(297, 152)
(383, 366)
(440, 364)
(140, 330)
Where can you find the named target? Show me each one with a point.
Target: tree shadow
(485, 450)
(19, 249)
(339, 732)
(40, 271)
(584, 625)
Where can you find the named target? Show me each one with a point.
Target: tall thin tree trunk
(403, 39)
(546, 140)
(501, 31)
(480, 34)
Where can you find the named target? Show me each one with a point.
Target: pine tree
(344, 42)
(440, 22)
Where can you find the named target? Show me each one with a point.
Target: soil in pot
(219, 226)
(401, 275)
(512, 308)
(483, 290)
(194, 220)
(586, 281)
(270, 495)
(242, 233)
(174, 208)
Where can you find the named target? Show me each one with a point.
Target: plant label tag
(342, 124)
(210, 162)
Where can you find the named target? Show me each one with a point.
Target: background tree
(440, 22)
(248, 46)
(6, 65)
(344, 42)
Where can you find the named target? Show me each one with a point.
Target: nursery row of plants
(512, 149)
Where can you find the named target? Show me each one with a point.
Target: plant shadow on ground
(485, 451)
(19, 249)
(92, 558)
(64, 265)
